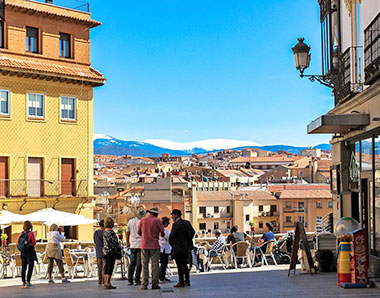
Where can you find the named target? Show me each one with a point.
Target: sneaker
(167, 279)
(130, 283)
(137, 283)
(144, 287)
(51, 282)
(109, 287)
(24, 286)
(187, 284)
(65, 280)
(156, 287)
(29, 285)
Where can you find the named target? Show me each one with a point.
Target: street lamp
(301, 55)
(301, 52)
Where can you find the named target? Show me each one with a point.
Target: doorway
(67, 177)
(35, 176)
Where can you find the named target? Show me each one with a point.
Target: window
(261, 208)
(318, 205)
(247, 217)
(273, 208)
(36, 105)
(228, 225)
(216, 225)
(65, 45)
(202, 226)
(202, 210)
(32, 40)
(330, 204)
(301, 219)
(261, 224)
(216, 209)
(288, 219)
(288, 205)
(301, 206)
(228, 209)
(4, 102)
(1, 34)
(68, 109)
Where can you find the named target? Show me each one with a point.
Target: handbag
(117, 253)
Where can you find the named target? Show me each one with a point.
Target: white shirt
(55, 237)
(134, 238)
(164, 242)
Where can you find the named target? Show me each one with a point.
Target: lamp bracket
(324, 80)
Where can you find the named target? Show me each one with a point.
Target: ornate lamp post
(302, 56)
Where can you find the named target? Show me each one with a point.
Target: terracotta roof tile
(306, 194)
(77, 71)
(279, 158)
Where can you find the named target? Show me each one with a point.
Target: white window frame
(43, 106)
(9, 103)
(75, 108)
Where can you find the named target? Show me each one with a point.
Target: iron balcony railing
(342, 82)
(372, 51)
(72, 4)
(10, 188)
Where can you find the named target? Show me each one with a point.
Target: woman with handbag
(111, 251)
(25, 244)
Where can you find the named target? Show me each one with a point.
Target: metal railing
(10, 188)
(342, 83)
(72, 4)
(372, 51)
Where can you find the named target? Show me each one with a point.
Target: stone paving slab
(257, 282)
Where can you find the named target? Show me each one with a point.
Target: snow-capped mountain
(106, 144)
(207, 145)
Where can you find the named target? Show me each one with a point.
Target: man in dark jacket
(100, 259)
(181, 240)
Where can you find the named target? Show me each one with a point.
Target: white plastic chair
(268, 252)
(218, 254)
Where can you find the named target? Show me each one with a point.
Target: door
(35, 177)
(67, 177)
(4, 177)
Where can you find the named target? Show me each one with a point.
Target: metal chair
(217, 254)
(268, 252)
(240, 250)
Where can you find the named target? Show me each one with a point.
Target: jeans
(164, 259)
(135, 265)
(154, 256)
(101, 268)
(183, 270)
(26, 262)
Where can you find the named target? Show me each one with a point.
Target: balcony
(71, 4)
(289, 224)
(372, 51)
(293, 210)
(268, 214)
(34, 188)
(342, 82)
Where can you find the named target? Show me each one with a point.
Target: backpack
(23, 244)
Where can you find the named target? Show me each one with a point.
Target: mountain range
(105, 144)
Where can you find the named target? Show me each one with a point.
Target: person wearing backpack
(25, 244)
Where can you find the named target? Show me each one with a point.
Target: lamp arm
(320, 78)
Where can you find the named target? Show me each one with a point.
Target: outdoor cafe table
(81, 255)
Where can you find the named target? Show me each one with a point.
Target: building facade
(46, 115)
(351, 62)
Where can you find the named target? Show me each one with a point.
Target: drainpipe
(232, 207)
(354, 45)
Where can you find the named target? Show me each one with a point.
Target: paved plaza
(256, 282)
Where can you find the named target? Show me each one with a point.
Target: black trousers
(183, 270)
(135, 265)
(164, 259)
(26, 262)
(110, 264)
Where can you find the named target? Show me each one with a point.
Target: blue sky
(188, 70)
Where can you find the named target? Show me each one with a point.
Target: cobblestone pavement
(258, 282)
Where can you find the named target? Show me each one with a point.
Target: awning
(50, 216)
(338, 123)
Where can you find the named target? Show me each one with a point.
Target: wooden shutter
(67, 177)
(3, 176)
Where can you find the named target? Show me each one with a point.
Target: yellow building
(46, 110)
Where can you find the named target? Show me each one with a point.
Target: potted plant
(4, 238)
(120, 231)
(252, 225)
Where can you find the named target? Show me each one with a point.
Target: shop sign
(354, 168)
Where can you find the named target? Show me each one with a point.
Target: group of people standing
(25, 244)
(149, 241)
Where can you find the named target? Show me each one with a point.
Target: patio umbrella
(7, 217)
(61, 218)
